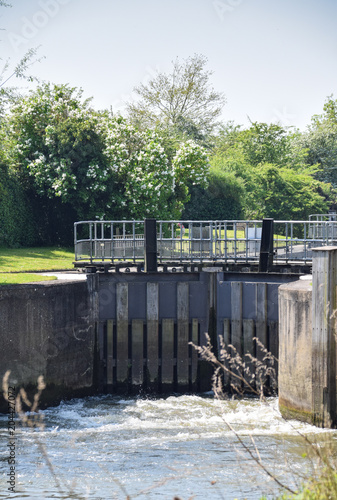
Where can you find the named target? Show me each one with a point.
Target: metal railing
(199, 241)
(323, 226)
(109, 240)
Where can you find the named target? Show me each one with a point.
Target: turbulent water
(109, 447)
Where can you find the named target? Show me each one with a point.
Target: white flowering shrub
(143, 174)
(191, 164)
(191, 167)
(56, 141)
(101, 165)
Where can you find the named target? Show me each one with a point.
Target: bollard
(266, 250)
(150, 244)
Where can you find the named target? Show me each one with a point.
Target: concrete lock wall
(295, 350)
(132, 330)
(48, 329)
(307, 339)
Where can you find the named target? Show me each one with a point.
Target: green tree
(147, 179)
(223, 199)
(183, 100)
(272, 164)
(282, 193)
(17, 224)
(263, 143)
(320, 139)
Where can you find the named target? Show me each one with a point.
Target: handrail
(184, 241)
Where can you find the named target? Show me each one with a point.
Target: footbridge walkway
(265, 242)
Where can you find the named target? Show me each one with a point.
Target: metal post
(266, 250)
(75, 239)
(90, 239)
(134, 241)
(150, 245)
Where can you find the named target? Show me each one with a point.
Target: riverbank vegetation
(62, 161)
(323, 486)
(256, 375)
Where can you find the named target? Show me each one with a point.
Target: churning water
(109, 447)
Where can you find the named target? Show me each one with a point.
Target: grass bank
(18, 264)
(17, 278)
(18, 260)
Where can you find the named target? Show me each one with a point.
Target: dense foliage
(17, 225)
(224, 198)
(274, 168)
(321, 142)
(77, 163)
(62, 161)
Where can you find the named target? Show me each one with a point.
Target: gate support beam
(266, 250)
(150, 243)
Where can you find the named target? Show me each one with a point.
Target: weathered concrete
(307, 339)
(295, 350)
(324, 283)
(48, 329)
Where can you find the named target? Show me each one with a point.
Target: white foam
(190, 415)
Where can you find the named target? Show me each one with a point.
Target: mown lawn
(17, 265)
(16, 260)
(16, 278)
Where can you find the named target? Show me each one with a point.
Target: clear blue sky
(273, 59)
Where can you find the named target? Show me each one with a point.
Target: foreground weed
(257, 376)
(33, 419)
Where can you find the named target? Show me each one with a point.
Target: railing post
(91, 242)
(150, 245)
(266, 250)
(75, 240)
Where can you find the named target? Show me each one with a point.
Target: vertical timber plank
(226, 332)
(102, 379)
(227, 341)
(236, 327)
(110, 353)
(182, 328)
(152, 316)
(122, 361)
(249, 348)
(137, 333)
(261, 319)
(273, 348)
(236, 313)
(167, 355)
(194, 354)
